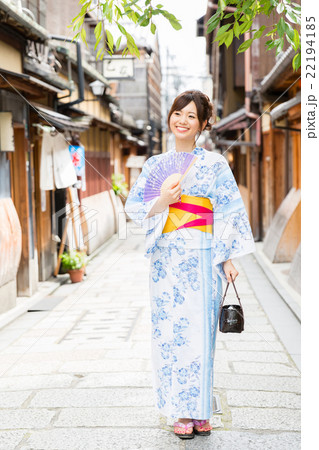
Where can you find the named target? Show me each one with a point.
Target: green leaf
(99, 52)
(132, 48)
(281, 27)
(245, 26)
(119, 12)
(280, 46)
(291, 17)
(83, 36)
(280, 7)
(288, 30)
(97, 30)
(110, 40)
(236, 29)
(122, 29)
(212, 23)
(229, 38)
(75, 38)
(145, 22)
(259, 32)
(175, 24)
(222, 4)
(159, 6)
(296, 6)
(222, 30)
(245, 45)
(97, 42)
(296, 62)
(211, 19)
(118, 42)
(296, 40)
(153, 28)
(78, 24)
(83, 10)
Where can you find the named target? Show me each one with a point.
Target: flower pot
(76, 275)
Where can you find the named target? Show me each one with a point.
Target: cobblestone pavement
(78, 376)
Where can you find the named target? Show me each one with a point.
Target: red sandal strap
(186, 426)
(202, 423)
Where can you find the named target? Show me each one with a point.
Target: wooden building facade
(257, 102)
(45, 87)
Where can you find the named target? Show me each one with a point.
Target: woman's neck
(182, 146)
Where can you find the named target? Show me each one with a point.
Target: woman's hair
(203, 105)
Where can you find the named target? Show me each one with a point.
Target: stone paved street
(78, 376)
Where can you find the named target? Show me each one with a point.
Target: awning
(106, 124)
(95, 121)
(237, 120)
(233, 121)
(283, 62)
(135, 162)
(127, 136)
(26, 83)
(128, 121)
(63, 122)
(282, 109)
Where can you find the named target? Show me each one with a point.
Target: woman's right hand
(168, 195)
(172, 194)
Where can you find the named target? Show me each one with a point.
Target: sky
(187, 51)
(184, 45)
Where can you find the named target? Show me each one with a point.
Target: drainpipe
(80, 71)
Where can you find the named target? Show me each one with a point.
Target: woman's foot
(184, 428)
(202, 427)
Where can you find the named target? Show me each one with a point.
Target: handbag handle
(226, 292)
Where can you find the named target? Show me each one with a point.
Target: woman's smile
(182, 129)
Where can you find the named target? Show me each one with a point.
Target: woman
(187, 265)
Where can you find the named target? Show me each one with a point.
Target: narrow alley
(76, 370)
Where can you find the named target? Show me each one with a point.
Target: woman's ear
(204, 125)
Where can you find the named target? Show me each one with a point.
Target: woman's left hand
(230, 270)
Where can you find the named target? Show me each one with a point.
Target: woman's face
(184, 124)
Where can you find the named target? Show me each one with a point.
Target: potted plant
(119, 185)
(74, 263)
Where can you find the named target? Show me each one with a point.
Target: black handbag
(231, 317)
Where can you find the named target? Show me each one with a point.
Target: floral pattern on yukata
(185, 282)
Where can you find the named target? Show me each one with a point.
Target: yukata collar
(196, 151)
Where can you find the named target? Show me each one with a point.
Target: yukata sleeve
(138, 210)
(232, 235)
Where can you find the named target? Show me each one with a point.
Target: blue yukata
(185, 281)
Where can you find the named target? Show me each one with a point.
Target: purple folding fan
(171, 169)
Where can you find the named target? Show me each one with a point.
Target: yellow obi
(190, 212)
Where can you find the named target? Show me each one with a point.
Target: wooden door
(20, 190)
(43, 211)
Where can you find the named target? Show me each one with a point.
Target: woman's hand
(230, 270)
(171, 194)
